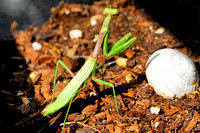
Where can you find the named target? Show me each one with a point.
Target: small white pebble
(93, 94)
(178, 116)
(65, 38)
(156, 124)
(36, 46)
(140, 66)
(95, 38)
(151, 27)
(156, 37)
(133, 48)
(160, 30)
(20, 93)
(93, 22)
(121, 62)
(67, 12)
(20, 66)
(75, 34)
(129, 78)
(104, 121)
(155, 110)
(32, 76)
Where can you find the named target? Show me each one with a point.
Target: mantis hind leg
(69, 106)
(114, 94)
(70, 103)
(55, 77)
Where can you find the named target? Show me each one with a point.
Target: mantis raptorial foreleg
(119, 46)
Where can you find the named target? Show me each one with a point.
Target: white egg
(171, 73)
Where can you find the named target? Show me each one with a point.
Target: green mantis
(89, 68)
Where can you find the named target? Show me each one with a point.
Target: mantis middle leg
(55, 77)
(105, 83)
(113, 89)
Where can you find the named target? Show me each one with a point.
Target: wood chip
(193, 122)
(172, 111)
(25, 100)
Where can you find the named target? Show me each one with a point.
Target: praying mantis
(89, 68)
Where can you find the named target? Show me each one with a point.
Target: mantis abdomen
(72, 87)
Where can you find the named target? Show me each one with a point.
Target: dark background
(181, 17)
(27, 12)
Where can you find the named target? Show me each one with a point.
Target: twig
(67, 123)
(79, 56)
(109, 64)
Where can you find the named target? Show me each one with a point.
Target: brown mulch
(91, 110)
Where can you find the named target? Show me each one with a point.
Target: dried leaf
(71, 117)
(110, 128)
(134, 127)
(79, 117)
(118, 129)
(90, 109)
(37, 93)
(109, 118)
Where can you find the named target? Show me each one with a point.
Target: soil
(93, 109)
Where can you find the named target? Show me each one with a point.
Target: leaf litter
(135, 97)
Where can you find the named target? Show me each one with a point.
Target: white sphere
(171, 73)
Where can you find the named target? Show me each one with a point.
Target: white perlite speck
(36, 46)
(160, 30)
(155, 110)
(93, 22)
(156, 124)
(75, 34)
